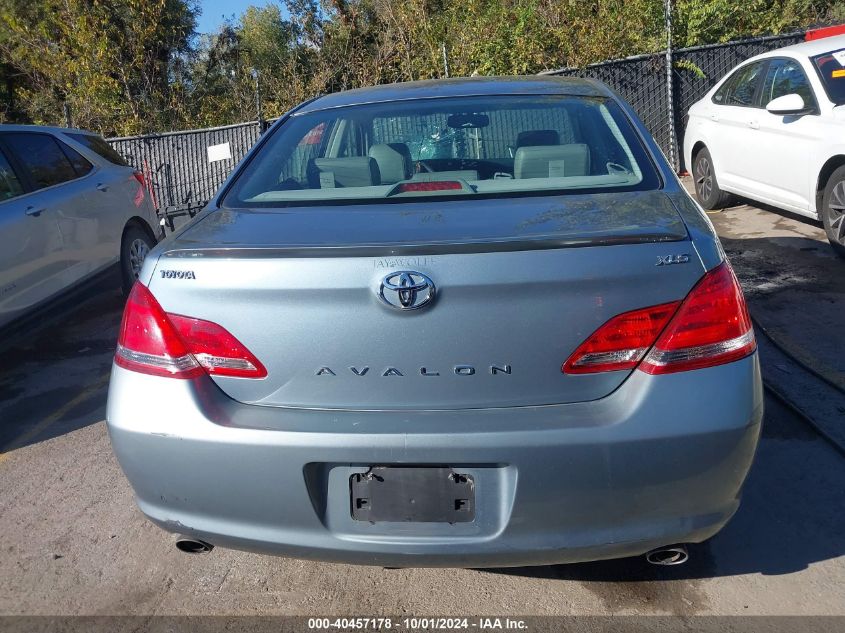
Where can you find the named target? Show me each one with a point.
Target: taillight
(139, 176)
(152, 341)
(433, 185)
(710, 327)
(622, 342)
(148, 342)
(219, 353)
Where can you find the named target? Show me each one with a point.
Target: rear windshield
(446, 147)
(100, 147)
(831, 68)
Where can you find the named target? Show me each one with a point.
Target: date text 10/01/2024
(412, 624)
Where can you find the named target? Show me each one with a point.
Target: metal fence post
(259, 112)
(168, 179)
(670, 96)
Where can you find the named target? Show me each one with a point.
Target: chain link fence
(642, 81)
(185, 169)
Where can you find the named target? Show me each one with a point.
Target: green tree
(131, 66)
(698, 22)
(109, 60)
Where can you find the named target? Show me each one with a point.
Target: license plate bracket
(427, 494)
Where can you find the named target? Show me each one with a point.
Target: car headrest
(552, 161)
(537, 137)
(394, 162)
(356, 171)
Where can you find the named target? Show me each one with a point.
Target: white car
(773, 130)
(70, 210)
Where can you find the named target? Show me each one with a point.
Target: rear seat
(552, 161)
(326, 173)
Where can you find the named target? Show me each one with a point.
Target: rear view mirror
(468, 120)
(787, 104)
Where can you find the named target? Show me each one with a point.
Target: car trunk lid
(520, 283)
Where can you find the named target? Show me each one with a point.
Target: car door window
(831, 70)
(42, 158)
(786, 77)
(101, 147)
(744, 87)
(10, 186)
(721, 95)
(80, 164)
(741, 88)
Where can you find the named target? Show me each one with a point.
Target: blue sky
(213, 12)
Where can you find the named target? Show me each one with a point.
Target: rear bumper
(661, 460)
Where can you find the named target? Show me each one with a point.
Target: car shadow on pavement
(55, 374)
(740, 202)
(795, 289)
(790, 517)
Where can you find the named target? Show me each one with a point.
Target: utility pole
(66, 112)
(445, 59)
(258, 111)
(670, 97)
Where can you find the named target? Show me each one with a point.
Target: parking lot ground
(795, 288)
(794, 283)
(73, 542)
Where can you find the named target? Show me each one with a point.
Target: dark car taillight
(154, 342)
(709, 327)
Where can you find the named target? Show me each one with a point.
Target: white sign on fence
(219, 152)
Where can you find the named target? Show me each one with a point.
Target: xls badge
(406, 290)
(668, 260)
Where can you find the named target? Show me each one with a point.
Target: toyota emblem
(406, 290)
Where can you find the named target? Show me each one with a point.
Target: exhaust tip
(191, 545)
(671, 555)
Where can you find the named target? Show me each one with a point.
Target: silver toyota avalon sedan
(472, 322)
